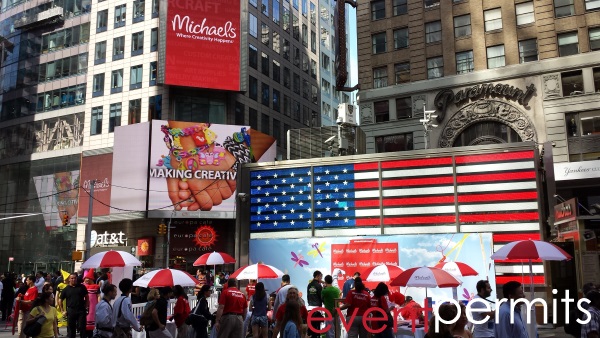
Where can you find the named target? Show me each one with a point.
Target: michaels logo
(388, 250)
(350, 250)
(338, 265)
(377, 250)
(366, 251)
(365, 264)
(338, 251)
(422, 277)
(378, 263)
(351, 264)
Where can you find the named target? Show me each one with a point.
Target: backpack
(574, 328)
(146, 317)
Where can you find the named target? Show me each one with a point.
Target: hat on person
(89, 275)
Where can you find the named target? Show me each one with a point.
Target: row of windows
(50, 100)
(265, 33)
(115, 111)
(309, 68)
(65, 38)
(120, 15)
(118, 47)
(116, 80)
(265, 123)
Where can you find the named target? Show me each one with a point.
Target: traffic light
(162, 229)
(65, 219)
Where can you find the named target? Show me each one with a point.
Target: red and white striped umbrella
(110, 259)
(426, 277)
(166, 277)
(457, 269)
(214, 258)
(530, 250)
(257, 271)
(382, 273)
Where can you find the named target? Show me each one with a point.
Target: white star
(275, 175)
(319, 215)
(310, 198)
(300, 179)
(345, 170)
(267, 182)
(327, 220)
(293, 198)
(292, 186)
(309, 185)
(318, 202)
(327, 183)
(275, 199)
(292, 211)
(275, 187)
(284, 216)
(292, 174)
(336, 202)
(275, 223)
(327, 172)
(275, 211)
(267, 205)
(346, 220)
(301, 203)
(283, 205)
(266, 218)
(301, 216)
(336, 189)
(292, 222)
(345, 195)
(300, 192)
(259, 177)
(337, 214)
(258, 224)
(327, 209)
(258, 212)
(318, 178)
(309, 221)
(309, 209)
(318, 191)
(346, 208)
(283, 192)
(258, 200)
(308, 173)
(267, 193)
(345, 182)
(336, 177)
(283, 180)
(327, 196)
(258, 188)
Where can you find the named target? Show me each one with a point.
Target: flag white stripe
(371, 175)
(537, 268)
(441, 190)
(478, 168)
(500, 227)
(366, 212)
(366, 194)
(417, 172)
(402, 230)
(498, 206)
(497, 187)
(437, 209)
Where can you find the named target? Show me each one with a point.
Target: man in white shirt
(123, 316)
(485, 330)
(40, 280)
(104, 312)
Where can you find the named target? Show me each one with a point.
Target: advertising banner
(191, 238)
(193, 167)
(203, 44)
(341, 257)
(98, 168)
(58, 196)
(145, 246)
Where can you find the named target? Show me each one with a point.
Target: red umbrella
(257, 271)
(457, 269)
(166, 277)
(426, 277)
(214, 258)
(109, 259)
(382, 273)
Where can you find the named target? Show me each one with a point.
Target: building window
(276, 13)
(135, 111)
(380, 77)
(325, 61)
(462, 25)
(400, 38)
(154, 40)
(597, 79)
(296, 111)
(287, 105)
(431, 3)
(98, 88)
(315, 94)
(379, 42)
(528, 50)
(253, 118)
(252, 25)
(253, 88)
(382, 111)
(287, 78)
(572, 83)
(264, 7)
(138, 10)
(495, 57)
(155, 8)
(265, 94)
(568, 44)
(153, 73)
(433, 31)
(304, 35)
(116, 81)
(296, 80)
(265, 124)
(102, 21)
(286, 49)
(377, 10)
(264, 66)
(305, 8)
(114, 119)
(399, 7)
(155, 108)
(120, 12)
(435, 67)
(252, 56)
(296, 28)
(137, 43)
(136, 77)
(464, 62)
(313, 13)
(403, 107)
(276, 102)
(277, 131)
(402, 72)
(253, 3)
(118, 48)
(591, 5)
(391, 143)
(563, 8)
(313, 69)
(286, 18)
(96, 125)
(305, 62)
(265, 34)
(594, 38)
(525, 13)
(276, 42)
(493, 19)
(313, 41)
(100, 53)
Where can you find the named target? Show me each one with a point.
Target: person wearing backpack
(592, 328)
(42, 306)
(122, 312)
(104, 312)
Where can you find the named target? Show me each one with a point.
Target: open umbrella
(426, 277)
(456, 269)
(214, 258)
(530, 250)
(110, 259)
(166, 277)
(257, 271)
(382, 273)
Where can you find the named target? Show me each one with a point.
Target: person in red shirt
(181, 311)
(25, 303)
(292, 294)
(411, 310)
(251, 289)
(397, 298)
(232, 310)
(359, 300)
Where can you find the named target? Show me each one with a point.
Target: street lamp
(428, 122)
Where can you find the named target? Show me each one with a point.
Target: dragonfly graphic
(318, 250)
(298, 259)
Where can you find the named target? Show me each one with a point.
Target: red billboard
(203, 44)
(98, 168)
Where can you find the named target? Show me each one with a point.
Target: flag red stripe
(516, 155)
(417, 163)
(509, 196)
(366, 166)
(500, 262)
(388, 202)
(366, 185)
(367, 221)
(437, 180)
(419, 219)
(512, 216)
(511, 176)
(366, 203)
(523, 236)
(537, 280)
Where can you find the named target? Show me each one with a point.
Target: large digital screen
(203, 44)
(58, 195)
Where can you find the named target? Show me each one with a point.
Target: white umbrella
(257, 271)
(166, 277)
(382, 273)
(110, 259)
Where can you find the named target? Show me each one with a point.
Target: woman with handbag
(42, 307)
(201, 325)
(379, 300)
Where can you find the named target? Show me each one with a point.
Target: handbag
(196, 320)
(146, 317)
(33, 329)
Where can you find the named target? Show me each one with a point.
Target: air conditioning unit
(346, 114)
